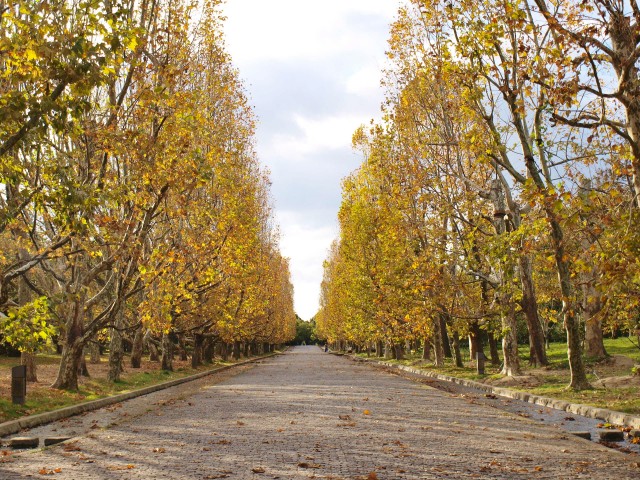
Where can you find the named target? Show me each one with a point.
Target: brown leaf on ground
(121, 467)
(71, 447)
(344, 417)
(372, 476)
(309, 465)
(258, 470)
(159, 450)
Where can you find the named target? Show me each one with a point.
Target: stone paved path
(308, 414)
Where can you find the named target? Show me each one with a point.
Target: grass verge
(42, 398)
(552, 381)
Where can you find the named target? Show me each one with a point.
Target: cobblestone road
(308, 414)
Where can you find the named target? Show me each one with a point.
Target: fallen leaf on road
(309, 465)
(159, 450)
(258, 470)
(366, 412)
(344, 417)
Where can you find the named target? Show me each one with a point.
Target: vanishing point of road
(308, 414)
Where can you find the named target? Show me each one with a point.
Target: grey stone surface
(312, 415)
(24, 442)
(55, 440)
(611, 435)
(610, 416)
(31, 421)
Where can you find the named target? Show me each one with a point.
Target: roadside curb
(31, 421)
(609, 416)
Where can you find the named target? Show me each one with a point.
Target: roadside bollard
(19, 384)
(480, 358)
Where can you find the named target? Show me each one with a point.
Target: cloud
(312, 72)
(308, 245)
(294, 29)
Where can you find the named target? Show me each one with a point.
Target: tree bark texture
(529, 304)
(29, 360)
(426, 349)
(116, 350)
(72, 347)
(457, 355)
(137, 349)
(166, 360)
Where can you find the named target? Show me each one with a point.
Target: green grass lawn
(556, 376)
(42, 398)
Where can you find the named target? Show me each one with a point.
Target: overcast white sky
(312, 70)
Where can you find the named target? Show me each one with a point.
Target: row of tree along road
(133, 210)
(501, 190)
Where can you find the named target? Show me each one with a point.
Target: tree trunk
(208, 351)
(116, 352)
(94, 353)
(83, 371)
(69, 365)
(426, 349)
(592, 308)
(236, 350)
(388, 351)
(493, 349)
(574, 350)
(438, 346)
(224, 350)
(29, 360)
(183, 349)
(167, 353)
(529, 304)
(154, 356)
(379, 348)
(24, 296)
(446, 346)
(246, 350)
(137, 349)
(510, 356)
(456, 350)
(399, 351)
(151, 346)
(196, 357)
(475, 339)
(72, 347)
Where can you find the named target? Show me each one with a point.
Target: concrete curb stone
(610, 416)
(14, 426)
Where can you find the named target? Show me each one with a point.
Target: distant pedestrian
(326, 347)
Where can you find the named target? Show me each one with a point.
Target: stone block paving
(308, 414)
